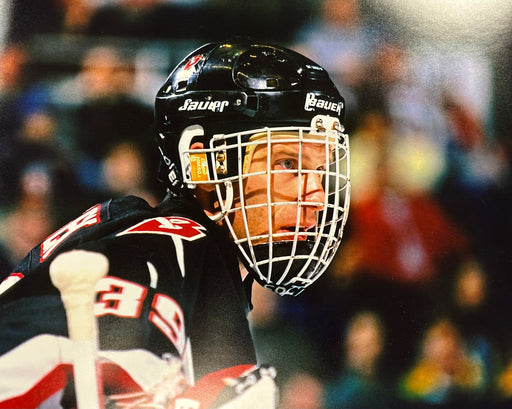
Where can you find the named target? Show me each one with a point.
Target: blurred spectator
(502, 389)
(44, 172)
(38, 172)
(123, 173)
(392, 83)
(367, 145)
(400, 230)
(105, 113)
(29, 18)
(302, 391)
(414, 162)
(360, 384)
(13, 58)
(30, 222)
(445, 372)
(279, 342)
(475, 315)
(400, 241)
(343, 43)
(477, 164)
(476, 193)
(76, 15)
(12, 86)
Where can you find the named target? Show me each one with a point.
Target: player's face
(285, 203)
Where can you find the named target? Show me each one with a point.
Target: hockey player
(256, 165)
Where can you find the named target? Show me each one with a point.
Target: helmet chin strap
(225, 205)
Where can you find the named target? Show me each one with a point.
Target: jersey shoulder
(119, 218)
(95, 223)
(121, 226)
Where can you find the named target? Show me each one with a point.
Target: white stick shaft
(76, 274)
(87, 380)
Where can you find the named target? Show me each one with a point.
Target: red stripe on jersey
(9, 281)
(50, 384)
(115, 380)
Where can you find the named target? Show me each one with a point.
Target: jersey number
(124, 299)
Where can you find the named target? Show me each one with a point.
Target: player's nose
(314, 193)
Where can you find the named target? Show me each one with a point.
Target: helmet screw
(221, 167)
(320, 125)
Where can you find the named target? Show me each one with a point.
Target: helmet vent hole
(181, 86)
(272, 83)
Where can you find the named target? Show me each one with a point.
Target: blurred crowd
(414, 311)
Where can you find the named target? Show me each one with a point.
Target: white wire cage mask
(286, 204)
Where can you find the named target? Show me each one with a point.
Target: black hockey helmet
(233, 97)
(234, 86)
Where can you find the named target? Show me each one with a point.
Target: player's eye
(287, 164)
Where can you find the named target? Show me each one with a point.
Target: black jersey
(173, 286)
